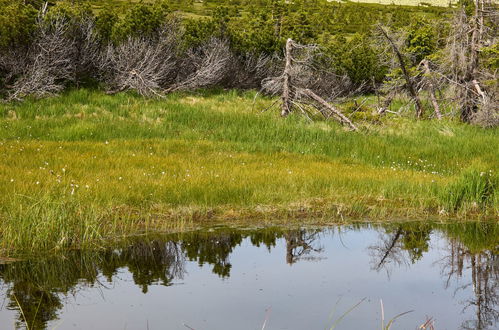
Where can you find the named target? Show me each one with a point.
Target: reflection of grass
(475, 236)
(86, 166)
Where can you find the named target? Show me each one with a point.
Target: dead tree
(298, 79)
(408, 79)
(431, 87)
(461, 64)
(286, 77)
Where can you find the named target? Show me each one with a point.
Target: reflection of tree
(37, 287)
(416, 238)
(149, 262)
(387, 250)
(266, 236)
(471, 246)
(399, 245)
(483, 262)
(300, 244)
(211, 248)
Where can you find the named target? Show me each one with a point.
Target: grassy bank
(87, 166)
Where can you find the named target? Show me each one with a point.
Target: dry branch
(206, 65)
(48, 64)
(143, 64)
(329, 107)
(431, 88)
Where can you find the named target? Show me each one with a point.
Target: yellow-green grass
(84, 167)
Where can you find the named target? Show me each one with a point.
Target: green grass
(85, 167)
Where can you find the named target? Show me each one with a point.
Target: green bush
(421, 40)
(490, 56)
(105, 22)
(258, 33)
(355, 57)
(360, 112)
(141, 20)
(17, 23)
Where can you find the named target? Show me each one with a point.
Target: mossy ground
(86, 166)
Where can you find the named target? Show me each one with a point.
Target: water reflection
(36, 289)
(475, 248)
(400, 244)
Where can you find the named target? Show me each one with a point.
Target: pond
(343, 277)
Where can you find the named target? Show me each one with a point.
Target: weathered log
(341, 117)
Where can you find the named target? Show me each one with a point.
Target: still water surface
(276, 278)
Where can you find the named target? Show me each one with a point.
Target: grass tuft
(474, 189)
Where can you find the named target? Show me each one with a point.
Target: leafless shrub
(143, 64)
(48, 63)
(250, 69)
(204, 66)
(63, 51)
(88, 48)
(488, 115)
(12, 62)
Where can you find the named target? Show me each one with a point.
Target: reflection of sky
(301, 296)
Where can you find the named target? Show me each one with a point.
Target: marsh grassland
(85, 166)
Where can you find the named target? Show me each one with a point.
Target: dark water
(286, 278)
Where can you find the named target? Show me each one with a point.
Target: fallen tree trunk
(332, 110)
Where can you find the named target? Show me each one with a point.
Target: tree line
(449, 54)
